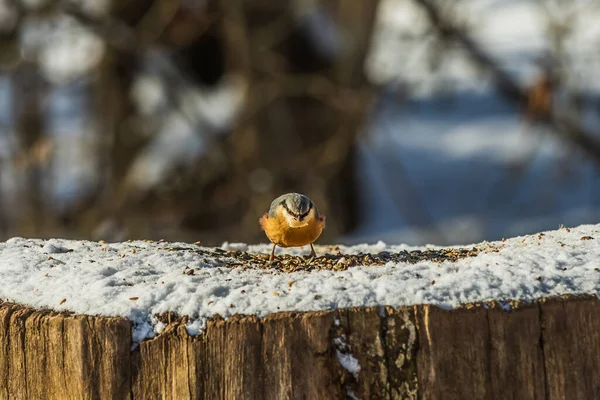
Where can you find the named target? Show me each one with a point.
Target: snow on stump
(153, 320)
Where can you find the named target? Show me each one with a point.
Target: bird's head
(297, 209)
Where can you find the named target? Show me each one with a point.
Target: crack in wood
(541, 344)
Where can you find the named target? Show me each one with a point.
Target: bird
(292, 220)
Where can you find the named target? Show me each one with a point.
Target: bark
(549, 349)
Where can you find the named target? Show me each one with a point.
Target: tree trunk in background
(306, 102)
(304, 108)
(28, 216)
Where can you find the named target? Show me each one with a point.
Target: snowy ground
(139, 279)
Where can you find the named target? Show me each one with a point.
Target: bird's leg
(312, 254)
(272, 253)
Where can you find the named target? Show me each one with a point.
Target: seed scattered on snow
(346, 279)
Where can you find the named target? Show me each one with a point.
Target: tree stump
(549, 349)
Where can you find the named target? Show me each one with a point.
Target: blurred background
(415, 121)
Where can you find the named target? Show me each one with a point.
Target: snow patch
(50, 248)
(351, 395)
(345, 358)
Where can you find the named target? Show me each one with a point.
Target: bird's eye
(286, 207)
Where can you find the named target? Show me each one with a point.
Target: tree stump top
(144, 281)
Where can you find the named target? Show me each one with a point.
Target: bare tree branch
(564, 122)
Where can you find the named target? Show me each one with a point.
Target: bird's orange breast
(279, 232)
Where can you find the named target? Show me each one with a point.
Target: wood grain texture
(516, 356)
(454, 355)
(299, 357)
(6, 311)
(367, 344)
(571, 342)
(481, 352)
(162, 368)
(544, 350)
(243, 362)
(47, 355)
(17, 378)
(401, 345)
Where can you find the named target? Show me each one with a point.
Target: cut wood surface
(549, 349)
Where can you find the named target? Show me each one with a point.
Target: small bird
(293, 220)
